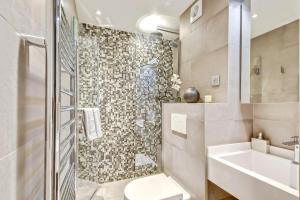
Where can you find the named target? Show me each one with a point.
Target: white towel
(92, 123)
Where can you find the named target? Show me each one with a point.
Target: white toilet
(156, 187)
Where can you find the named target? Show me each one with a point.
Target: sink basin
(249, 175)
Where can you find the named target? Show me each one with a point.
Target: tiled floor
(85, 190)
(108, 191)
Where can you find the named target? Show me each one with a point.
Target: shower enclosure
(127, 76)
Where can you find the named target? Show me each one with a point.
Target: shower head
(159, 35)
(156, 35)
(175, 43)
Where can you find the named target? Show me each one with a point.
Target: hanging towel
(97, 122)
(92, 123)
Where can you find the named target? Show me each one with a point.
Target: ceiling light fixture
(150, 23)
(98, 12)
(254, 15)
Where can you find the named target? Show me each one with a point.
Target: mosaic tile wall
(127, 76)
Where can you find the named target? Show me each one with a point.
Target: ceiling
(124, 14)
(272, 14)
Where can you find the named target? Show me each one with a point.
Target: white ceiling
(124, 14)
(272, 14)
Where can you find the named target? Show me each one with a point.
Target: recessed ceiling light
(254, 15)
(150, 23)
(98, 12)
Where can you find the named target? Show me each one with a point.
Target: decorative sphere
(191, 95)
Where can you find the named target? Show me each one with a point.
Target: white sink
(251, 175)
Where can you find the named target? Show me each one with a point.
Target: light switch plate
(215, 80)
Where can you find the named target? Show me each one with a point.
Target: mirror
(272, 69)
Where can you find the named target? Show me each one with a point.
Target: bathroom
(149, 100)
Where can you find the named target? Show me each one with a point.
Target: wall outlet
(215, 80)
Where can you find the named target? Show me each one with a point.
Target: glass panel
(126, 76)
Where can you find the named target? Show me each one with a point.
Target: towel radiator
(65, 111)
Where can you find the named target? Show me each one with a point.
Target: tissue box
(260, 145)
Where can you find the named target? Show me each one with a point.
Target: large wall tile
(222, 111)
(227, 131)
(204, 67)
(194, 45)
(204, 45)
(277, 111)
(277, 121)
(22, 107)
(9, 77)
(184, 157)
(186, 75)
(210, 9)
(217, 31)
(276, 131)
(22, 172)
(27, 16)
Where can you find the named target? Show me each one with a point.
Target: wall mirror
(270, 51)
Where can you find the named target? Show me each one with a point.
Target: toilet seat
(156, 187)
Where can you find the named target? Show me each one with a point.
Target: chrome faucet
(295, 144)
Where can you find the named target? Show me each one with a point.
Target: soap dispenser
(259, 144)
(260, 136)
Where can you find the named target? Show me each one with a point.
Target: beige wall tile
(185, 26)
(276, 111)
(8, 88)
(277, 121)
(204, 67)
(222, 111)
(185, 76)
(227, 131)
(187, 170)
(23, 94)
(22, 108)
(275, 131)
(205, 48)
(210, 9)
(184, 157)
(217, 31)
(205, 52)
(27, 16)
(194, 45)
(22, 172)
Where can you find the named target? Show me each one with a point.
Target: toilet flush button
(178, 123)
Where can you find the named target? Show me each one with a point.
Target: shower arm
(159, 28)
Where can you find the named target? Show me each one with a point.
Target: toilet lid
(157, 187)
